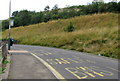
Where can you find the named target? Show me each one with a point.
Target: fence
(3, 52)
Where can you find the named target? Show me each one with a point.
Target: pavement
(25, 66)
(36, 62)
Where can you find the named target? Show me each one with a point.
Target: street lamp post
(9, 25)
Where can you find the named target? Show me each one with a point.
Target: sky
(35, 5)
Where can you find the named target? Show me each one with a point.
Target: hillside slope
(97, 33)
(0, 24)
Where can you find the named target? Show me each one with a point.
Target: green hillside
(97, 33)
(0, 24)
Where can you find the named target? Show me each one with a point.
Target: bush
(70, 28)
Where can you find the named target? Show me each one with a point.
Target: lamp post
(9, 25)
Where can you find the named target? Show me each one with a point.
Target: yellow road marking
(87, 72)
(90, 74)
(82, 68)
(95, 72)
(104, 72)
(65, 61)
(62, 61)
(83, 72)
(51, 61)
(56, 73)
(75, 73)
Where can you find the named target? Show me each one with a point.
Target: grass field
(97, 34)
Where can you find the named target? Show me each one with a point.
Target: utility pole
(9, 25)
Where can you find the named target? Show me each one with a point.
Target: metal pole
(9, 25)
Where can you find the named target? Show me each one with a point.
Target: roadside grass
(3, 67)
(2, 70)
(97, 34)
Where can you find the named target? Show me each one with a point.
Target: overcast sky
(35, 5)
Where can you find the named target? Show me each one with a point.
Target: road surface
(66, 64)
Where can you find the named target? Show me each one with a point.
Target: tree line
(25, 17)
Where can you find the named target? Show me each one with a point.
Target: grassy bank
(0, 23)
(97, 33)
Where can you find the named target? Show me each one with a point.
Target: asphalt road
(66, 64)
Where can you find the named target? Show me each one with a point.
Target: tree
(55, 7)
(23, 18)
(15, 13)
(47, 16)
(54, 12)
(118, 7)
(37, 18)
(112, 7)
(47, 8)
